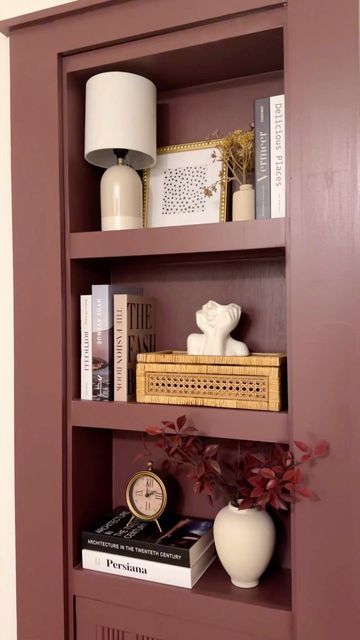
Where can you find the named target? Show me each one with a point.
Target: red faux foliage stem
(258, 479)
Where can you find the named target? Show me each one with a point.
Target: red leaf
(289, 475)
(321, 449)
(256, 492)
(274, 500)
(263, 500)
(288, 497)
(211, 450)
(247, 503)
(181, 421)
(185, 431)
(298, 476)
(214, 466)
(289, 486)
(278, 469)
(271, 483)
(198, 486)
(267, 473)
(200, 469)
(255, 481)
(305, 458)
(288, 459)
(302, 446)
(305, 492)
(208, 489)
(169, 425)
(154, 431)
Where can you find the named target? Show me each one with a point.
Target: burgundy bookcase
(295, 278)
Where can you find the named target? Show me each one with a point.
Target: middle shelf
(235, 424)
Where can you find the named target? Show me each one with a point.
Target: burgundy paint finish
(92, 457)
(180, 289)
(265, 426)
(259, 235)
(324, 308)
(39, 346)
(234, 98)
(195, 614)
(321, 69)
(79, 6)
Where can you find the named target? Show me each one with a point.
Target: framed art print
(174, 188)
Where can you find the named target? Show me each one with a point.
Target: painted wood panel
(323, 91)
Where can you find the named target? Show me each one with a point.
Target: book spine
(140, 335)
(135, 568)
(86, 348)
(134, 332)
(140, 550)
(120, 348)
(102, 342)
(262, 158)
(277, 155)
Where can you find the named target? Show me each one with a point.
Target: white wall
(8, 9)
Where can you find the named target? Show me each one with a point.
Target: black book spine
(134, 549)
(262, 159)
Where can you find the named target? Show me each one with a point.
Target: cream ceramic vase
(243, 203)
(244, 541)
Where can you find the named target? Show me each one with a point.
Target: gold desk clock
(146, 496)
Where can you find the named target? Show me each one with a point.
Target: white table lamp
(120, 135)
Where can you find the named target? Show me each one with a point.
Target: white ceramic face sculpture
(216, 321)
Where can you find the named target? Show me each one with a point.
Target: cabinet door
(97, 620)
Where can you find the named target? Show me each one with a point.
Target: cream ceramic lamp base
(121, 198)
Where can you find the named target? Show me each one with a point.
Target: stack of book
(117, 323)
(179, 555)
(270, 157)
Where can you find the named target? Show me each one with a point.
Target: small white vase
(244, 541)
(243, 203)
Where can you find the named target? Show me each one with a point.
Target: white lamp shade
(120, 113)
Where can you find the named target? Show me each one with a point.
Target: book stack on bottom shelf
(178, 555)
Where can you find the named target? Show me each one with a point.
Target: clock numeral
(147, 505)
(139, 492)
(158, 495)
(149, 482)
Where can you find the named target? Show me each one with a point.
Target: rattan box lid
(181, 357)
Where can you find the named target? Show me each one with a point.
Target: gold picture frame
(169, 196)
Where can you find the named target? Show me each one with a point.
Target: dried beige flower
(236, 151)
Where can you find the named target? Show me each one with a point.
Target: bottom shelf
(263, 612)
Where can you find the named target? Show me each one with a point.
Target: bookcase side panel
(39, 340)
(322, 88)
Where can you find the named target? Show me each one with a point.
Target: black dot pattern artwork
(183, 190)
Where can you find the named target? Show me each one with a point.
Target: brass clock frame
(136, 514)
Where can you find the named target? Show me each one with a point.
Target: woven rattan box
(174, 377)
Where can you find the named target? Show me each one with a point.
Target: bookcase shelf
(238, 424)
(250, 236)
(209, 61)
(264, 611)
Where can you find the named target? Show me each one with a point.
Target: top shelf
(257, 236)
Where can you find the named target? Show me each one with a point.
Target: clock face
(146, 495)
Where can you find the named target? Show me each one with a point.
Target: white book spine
(86, 348)
(277, 155)
(146, 569)
(120, 348)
